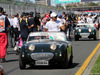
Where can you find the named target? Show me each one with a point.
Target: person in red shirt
(4, 23)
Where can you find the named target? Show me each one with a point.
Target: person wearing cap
(37, 21)
(61, 19)
(4, 23)
(31, 22)
(24, 27)
(54, 24)
(89, 19)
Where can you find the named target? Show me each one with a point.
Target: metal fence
(12, 7)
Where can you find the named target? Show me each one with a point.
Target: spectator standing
(45, 20)
(41, 21)
(61, 19)
(54, 24)
(15, 26)
(37, 21)
(10, 32)
(31, 22)
(63, 15)
(84, 18)
(69, 21)
(24, 27)
(4, 23)
(80, 21)
(89, 19)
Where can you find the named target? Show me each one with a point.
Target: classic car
(85, 31)
(46, 49)
(1, 70)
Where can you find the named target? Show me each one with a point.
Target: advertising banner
(66, 1)
(88, 0)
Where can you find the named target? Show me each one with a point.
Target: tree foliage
(59, 6)
(98, 3)
(91, 4)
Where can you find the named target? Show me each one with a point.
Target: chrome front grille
(84, 31)
(42, 56)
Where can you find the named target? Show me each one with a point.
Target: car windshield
(47, 36)
(37, 37)
(83, 25)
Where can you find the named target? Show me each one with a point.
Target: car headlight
(31, 47)
(90, 30)
(53, 47)
(79, 30)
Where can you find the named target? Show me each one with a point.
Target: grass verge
(96, 68)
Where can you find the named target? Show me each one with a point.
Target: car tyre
(95, 38)
(76, 39)
(65, 63)
(71, 60)
(21, 64)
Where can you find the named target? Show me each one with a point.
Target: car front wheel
(95, 38)
(76, 39)
(21, 64)
(71, 60)
(65, 63)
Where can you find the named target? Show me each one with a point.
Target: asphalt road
(81, 50)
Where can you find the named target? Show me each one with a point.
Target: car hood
(46, 42)
(45, 46)
(84, 28)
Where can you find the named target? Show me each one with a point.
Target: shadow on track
(14, 60)
(50, 67)
(11, 52)
(87, 40)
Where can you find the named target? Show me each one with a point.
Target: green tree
(98, 3)
(91, 4)
(74, 5)
(68, 5)
(59, 6)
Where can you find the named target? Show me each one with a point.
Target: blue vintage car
(46, 49)
(85, 31)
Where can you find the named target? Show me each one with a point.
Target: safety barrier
(12, 7)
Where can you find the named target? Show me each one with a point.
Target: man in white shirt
(15, 26)
(54, 24)
(11, 20)
(89, 19)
